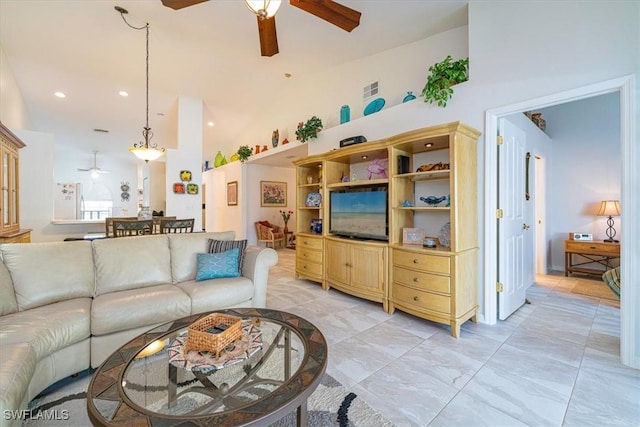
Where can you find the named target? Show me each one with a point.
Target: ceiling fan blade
(332, 12)
(84, 170)
(102, 171)
(268, 36)
(179, 4)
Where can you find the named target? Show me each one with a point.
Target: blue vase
(410, 97)
(345, 114)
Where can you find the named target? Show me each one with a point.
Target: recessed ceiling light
(211, 124)
(60, 94)
(123, 93)
(428, 145)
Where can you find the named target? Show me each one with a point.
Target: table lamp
(610, 208)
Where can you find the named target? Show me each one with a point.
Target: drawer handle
(416, 298)
(592, 247)
(415, 279)
(415, 261)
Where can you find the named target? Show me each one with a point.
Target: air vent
(101, 130)
(370, 90)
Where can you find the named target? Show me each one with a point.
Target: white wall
(12, 110)
(188, 156)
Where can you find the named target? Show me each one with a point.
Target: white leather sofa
(66, 306)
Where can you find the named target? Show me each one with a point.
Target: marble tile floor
(555, 362)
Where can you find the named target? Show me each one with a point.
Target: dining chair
(132, 227)
(108, 223)
(176, 225)
(156, 222)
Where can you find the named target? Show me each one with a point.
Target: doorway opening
(625, 87)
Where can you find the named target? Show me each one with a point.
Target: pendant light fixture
(144, 150)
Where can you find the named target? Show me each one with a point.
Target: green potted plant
(444, 75)
(309, 129)
(244, 152)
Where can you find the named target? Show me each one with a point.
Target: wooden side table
(592, 253)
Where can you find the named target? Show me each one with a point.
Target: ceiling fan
(95, 170)
(328, 10)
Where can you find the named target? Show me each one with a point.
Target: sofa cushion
(131, 263)
(217, 265)
(44, 273)
(48, 328)
(218, 294)
(120, 311)
(216, 246)
(184, 248)
(8, 303)
(17, 368)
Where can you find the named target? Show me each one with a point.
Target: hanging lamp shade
(263, 8)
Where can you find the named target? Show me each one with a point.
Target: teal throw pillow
(217, 265)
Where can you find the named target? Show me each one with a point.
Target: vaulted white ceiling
(208, 51)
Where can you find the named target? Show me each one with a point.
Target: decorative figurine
(275, 136)
(433, 200)
(407, 204)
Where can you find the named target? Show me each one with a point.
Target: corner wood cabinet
(438, 284)
(441, 283)
(10, 231)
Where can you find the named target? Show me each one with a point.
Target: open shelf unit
(438, 284)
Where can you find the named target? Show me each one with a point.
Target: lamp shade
(609, 208)
(146, 153)
(263, 8)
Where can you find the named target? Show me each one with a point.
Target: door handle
(526, 226)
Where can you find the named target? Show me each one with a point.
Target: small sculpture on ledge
(433, 200)
(407, 204)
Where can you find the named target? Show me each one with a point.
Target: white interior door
(513, 225)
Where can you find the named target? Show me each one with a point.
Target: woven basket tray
(199, 339)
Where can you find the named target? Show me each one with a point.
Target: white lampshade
(609, 208)
(147, 154)
(263, 8)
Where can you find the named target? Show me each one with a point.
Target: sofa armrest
(257, 262)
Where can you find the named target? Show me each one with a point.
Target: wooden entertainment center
(438, 284)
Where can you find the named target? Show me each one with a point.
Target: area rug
(331, 404)
(594, 288)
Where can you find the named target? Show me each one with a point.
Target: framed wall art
(273, 193)
(232, 193)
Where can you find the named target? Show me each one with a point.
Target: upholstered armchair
(269, 234)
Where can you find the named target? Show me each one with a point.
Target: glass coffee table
(265, 376)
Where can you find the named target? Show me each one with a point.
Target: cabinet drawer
(421, 299)
(426, 281)
(308, 254)
(592, 247)
(308, 242)
(425, 262)
(309, 268)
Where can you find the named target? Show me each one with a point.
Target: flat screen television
(359, 213)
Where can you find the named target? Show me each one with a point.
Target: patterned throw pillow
(216, 246)
(217, 265)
